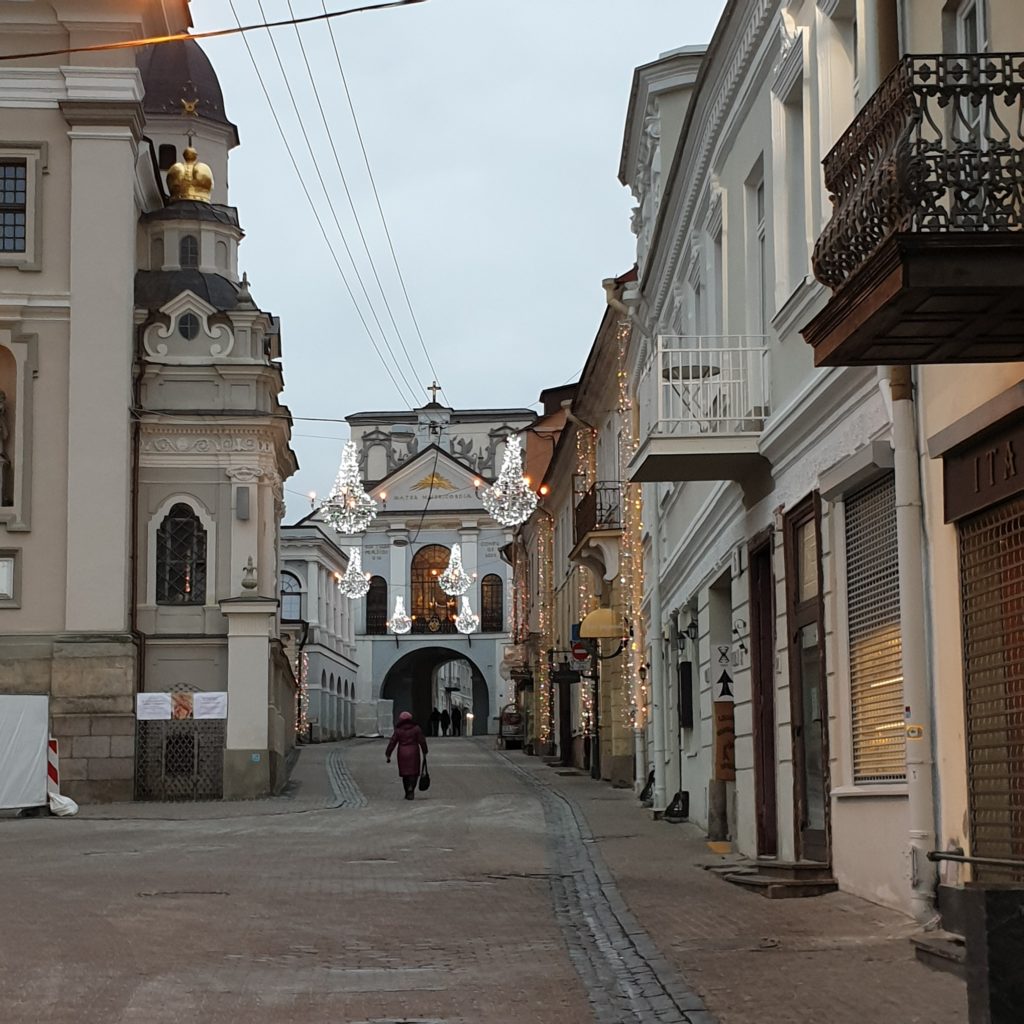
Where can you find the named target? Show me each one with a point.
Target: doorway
(762, 639)
(808, 705)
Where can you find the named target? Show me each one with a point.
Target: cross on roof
(433, 389)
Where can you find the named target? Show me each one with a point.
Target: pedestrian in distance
(435, 722)
(456, 721)
(408, 738)
(446, 721)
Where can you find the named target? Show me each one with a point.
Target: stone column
(251, 625)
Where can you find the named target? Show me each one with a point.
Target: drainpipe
(658, 702)
(611, 296)
(916, 695)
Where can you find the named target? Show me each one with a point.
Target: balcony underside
(598, 550)
(928, 298)
(662, 459)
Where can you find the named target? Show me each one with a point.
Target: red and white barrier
(52, 768)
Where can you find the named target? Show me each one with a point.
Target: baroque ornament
(349, 509)
(399, 621)
(510, 500)
(455, 580)
(466, 621)
(354, 583)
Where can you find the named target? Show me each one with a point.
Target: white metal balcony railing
(705, 385)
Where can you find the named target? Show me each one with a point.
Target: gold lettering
(1009, 462)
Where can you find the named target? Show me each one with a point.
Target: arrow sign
(725, 687)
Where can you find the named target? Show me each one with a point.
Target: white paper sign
(210, 705)
(152, 707)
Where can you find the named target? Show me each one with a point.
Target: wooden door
(762, 654)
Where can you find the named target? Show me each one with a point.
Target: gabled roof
(422, 456)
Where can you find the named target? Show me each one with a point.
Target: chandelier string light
(355, 583)
(399, 621)
(466, 621)
(510, 500)
(349, 509)
(455, 581)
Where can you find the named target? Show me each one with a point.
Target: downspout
(916, 689)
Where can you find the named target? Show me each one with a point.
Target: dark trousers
(409, 781)
(456, 728)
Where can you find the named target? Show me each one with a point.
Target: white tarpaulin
(24, 730)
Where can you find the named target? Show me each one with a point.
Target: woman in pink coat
(408, 737)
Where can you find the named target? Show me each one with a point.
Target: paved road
(375, 910)
(487, 899)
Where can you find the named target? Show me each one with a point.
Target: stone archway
(409, 684)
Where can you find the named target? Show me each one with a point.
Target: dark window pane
(433, 611)
(188, 251)
(181, 558)
(492, 612)
(377, 607)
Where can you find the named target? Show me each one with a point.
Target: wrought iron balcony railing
(599, 508)
(938, 148)
(705, 384)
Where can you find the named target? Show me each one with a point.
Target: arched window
(181, 558)
(377, 606)
(433, 611)
(492, 610)
(291, 598)
(188, 251)
(332, 683)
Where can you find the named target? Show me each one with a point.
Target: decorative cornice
(790, 65)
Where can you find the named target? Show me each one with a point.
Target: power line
(376, 196)
(178, 37)
(330, 201)
(348, 195)
(316, 215)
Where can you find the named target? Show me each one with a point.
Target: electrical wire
(348, 195)
(376, 195)
(316, 214)
(330, 201)
(177, 37)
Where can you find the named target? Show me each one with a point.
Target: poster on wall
(181, 706)
(152, 707)
(210, 705)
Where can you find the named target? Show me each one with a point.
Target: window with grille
(181, 558)
(377, 606)
(188, 251)
(291, 598)
(492, 611)
(876, 649)
(13, 205)
(433, 611)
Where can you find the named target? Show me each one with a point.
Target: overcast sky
(493, 129)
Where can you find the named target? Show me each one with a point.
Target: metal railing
(939, 147)
(706, 384)
(599, 508)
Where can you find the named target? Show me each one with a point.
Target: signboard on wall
(153, 707)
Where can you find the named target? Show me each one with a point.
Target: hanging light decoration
(455, 581)
(466, 621)
(355, 583)
(349, 509)
(510, 500)
(399, 621)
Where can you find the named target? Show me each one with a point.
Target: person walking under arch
(456, 721)
(435, 722)
(446, 721)
(409, 739)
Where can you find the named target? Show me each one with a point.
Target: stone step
(942, 951)
(793, 869)
(776, 888)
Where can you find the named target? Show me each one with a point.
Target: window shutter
(876, 651)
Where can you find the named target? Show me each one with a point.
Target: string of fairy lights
(586, 600)
(545, 622)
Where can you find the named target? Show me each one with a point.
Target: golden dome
(190, 179)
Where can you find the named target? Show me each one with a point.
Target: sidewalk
(832, 958)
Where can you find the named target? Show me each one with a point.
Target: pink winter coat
(408, 737)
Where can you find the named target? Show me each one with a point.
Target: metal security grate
(876, 650)
(992, 580)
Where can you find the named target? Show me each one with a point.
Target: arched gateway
(414, 685)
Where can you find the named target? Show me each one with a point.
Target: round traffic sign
(579, 651)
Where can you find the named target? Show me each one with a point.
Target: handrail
(959, 857)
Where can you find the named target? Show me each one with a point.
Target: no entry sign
(579, 651)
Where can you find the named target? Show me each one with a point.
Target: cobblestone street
(505, 893)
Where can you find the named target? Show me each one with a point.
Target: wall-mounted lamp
(692, 630)
(642, 673)
(383, 499)
(312, 499)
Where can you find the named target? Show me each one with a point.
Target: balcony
(925, 249)
(703, 403)
(597, 527)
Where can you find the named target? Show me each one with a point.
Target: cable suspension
(316, 214)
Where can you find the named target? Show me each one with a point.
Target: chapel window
(492, 610)
(181, 558)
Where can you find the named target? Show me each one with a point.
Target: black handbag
(424, 776)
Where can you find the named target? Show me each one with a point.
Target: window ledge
(881, 789)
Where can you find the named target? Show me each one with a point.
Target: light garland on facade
(348, 508)
(586, 601)
(510, 500)
(355, 583)
(631, 555)
(455, 581)
(466, 621)
(545, 624)
(399, 621)
(302, 698)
